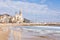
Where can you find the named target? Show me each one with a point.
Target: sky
(34, 10)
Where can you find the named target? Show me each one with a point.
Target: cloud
(4, 0)
(26, 7)
(43, 1)
(30, 10)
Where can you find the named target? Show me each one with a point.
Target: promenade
(29, 24)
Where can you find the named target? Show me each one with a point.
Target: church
(18, 18)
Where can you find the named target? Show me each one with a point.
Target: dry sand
(4, 33)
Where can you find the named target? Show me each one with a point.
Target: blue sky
(51, 3)
(34, 10)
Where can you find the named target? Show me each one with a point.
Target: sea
(35, 33)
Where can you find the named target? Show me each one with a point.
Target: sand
(4, 33)
(17, 35)
(29, 35)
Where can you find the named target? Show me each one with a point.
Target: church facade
(18, 18)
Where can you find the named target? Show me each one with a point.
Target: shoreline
(29, 35)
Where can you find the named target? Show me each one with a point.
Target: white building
(5, 18)
(19, 18)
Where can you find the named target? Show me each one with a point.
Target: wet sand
(29, 35)
(17, 35)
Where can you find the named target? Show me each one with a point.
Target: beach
(4, 33)
(26, 34)
(38, 36)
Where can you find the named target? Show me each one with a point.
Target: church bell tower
(21, 16)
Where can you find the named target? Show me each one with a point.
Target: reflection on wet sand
(28, 35)
(25, 34)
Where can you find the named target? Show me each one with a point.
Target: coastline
(29, 24)
(29, 34)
